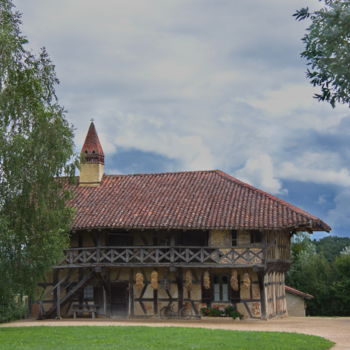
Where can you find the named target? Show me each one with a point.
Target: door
(119, 299)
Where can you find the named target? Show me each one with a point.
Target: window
(234, 238)
(192, 238)
(255, 236)
(162, 239)
(89, 293)
(119, 239)
(221, 288)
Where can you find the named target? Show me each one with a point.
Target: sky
(176, 85)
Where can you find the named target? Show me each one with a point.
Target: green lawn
(152, 338)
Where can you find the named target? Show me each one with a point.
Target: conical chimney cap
(92, 142)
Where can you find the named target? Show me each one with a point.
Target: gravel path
(336, 329)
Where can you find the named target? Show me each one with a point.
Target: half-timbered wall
(219, 238)
(278, 243)
(108, 271)
(243, 237)
(275, 296)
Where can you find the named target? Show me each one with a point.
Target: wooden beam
(131, 292)
(262, 295)
(58, 301)
(155, 301)
(183, 265)
(180, 289)
(55, 281)
(104, 300)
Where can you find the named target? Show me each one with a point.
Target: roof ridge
(164, 173)
(269, 195)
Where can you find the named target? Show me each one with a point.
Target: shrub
(229, 311)
(10, 310)
(212, 311)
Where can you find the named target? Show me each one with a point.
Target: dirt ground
(336, 329)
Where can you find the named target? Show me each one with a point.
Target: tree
(341, 285)
(320, 269)
(331, 246)
(327, 50)
(36, 147)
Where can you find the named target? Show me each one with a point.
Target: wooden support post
(155, 301)
(104, 300)
(58, 295)
(109, 295)
(59, 301)
(131, 292)
(274, 285)
(262, 295)
(80, 271)
(180, 289)
(55, 281)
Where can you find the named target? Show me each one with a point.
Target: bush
(212, 311)
(229, 311)
(10, 311)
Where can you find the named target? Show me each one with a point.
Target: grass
(152, 338)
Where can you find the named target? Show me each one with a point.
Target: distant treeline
(322, 269)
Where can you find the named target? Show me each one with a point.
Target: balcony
(177, 256)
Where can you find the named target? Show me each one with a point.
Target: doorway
(119, 299)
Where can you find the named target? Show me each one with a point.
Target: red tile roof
(185, 200)
(298, 292)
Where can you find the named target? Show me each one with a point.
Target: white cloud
(323, 168)
(259, 171)
(340, 214)
(210, 84)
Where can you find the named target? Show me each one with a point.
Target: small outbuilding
(296, 304)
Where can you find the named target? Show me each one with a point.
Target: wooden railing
(163, 256)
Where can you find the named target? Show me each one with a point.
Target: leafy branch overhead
(327, 50)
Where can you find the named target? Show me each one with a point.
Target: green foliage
(327, 279)
(10, 309)
(229, 311)
(341, 285)
(153, 338)
(331, 246)
(212, 311)
(327, 50)
(36, 145)
(302, 244)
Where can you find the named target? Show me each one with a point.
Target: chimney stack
(91, 159)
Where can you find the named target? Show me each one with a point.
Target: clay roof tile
(185, 200)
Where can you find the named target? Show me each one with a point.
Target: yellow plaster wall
(243, 237)
(123, 275)
(196, 292)
(220, 238)
(90, 174)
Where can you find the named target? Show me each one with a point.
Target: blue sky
(179, 85)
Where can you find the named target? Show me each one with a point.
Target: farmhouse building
(296, 301)
(148, 245)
